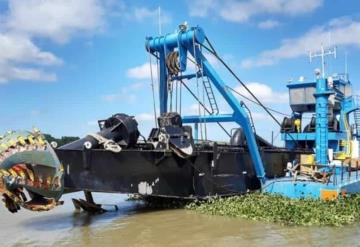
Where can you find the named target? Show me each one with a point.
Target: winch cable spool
(172, 64)
(213, 52)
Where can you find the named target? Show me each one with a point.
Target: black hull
(159, 173)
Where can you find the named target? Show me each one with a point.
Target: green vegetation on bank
(60, 141)
(278, 209)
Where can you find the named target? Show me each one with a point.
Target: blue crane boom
(186, 41)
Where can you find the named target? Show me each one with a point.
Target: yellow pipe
(348, 142)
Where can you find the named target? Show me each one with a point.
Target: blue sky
(65, 64)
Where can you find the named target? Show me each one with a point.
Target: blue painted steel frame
(289, 187)
(209, 118)
(184, 41)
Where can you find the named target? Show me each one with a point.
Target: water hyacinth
(278, 209)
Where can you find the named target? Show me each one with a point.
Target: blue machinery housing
(305, 97)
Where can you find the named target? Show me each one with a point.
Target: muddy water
(134, 225)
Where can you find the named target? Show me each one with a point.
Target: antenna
(329, 38)
(346, 68)
(159, 17)
(323, 53)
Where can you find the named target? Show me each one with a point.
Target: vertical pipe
(322, 144)
(163, 94)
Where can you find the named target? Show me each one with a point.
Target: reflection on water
(133, 225)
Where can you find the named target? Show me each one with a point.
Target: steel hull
(219, 171)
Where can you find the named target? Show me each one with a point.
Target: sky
(64, 64)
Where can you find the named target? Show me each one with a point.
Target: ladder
(210, 95)
(247, 110)
(357, 122)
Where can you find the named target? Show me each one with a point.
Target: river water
(134, 225)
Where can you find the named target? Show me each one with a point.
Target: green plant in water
(278, 209)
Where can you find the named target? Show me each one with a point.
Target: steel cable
(213, 52)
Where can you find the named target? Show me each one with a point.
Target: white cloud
(55, 19)
(201, 8)
(242, 11)
(142, 13)
(260, 116)
(123, 96)
(58, 20)
(126, 94)
(17, 48)
(31, 74)
(212, 59)
(92, 123)
(35, 113)
(193, 109)
(263, 92)
(137, 85)
(10, 72)
(343, 32)
(142, 117)
(17, 53)
(142, 72)
(268, 24)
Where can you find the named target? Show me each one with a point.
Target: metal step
(210, 95)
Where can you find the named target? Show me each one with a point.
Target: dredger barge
(174, 161)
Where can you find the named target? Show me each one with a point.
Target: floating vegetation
(278, 209)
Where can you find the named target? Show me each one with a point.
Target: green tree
(61, 141)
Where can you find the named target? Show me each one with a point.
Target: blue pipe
(322, 139)
(209, 118)
(173, 40)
